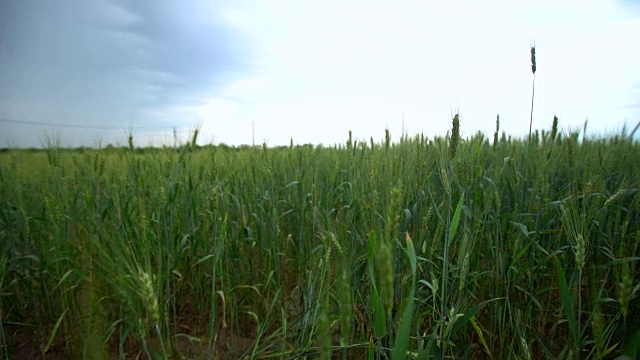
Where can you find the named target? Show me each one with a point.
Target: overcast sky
(310, 71)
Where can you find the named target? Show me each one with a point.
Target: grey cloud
(108, 61)
(186, 46)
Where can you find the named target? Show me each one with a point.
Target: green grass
(422, 249)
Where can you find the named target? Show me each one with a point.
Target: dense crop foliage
(427, 248)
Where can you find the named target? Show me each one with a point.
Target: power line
(57, 124)
(76, 126)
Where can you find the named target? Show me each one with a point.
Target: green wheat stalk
(533, 91)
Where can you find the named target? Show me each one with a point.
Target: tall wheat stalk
(533, 91)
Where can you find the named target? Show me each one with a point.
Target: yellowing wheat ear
(149, 296)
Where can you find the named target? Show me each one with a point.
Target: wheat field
(426, 248)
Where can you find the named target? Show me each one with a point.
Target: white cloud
(333, 67)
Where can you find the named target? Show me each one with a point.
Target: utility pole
(253, 133)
